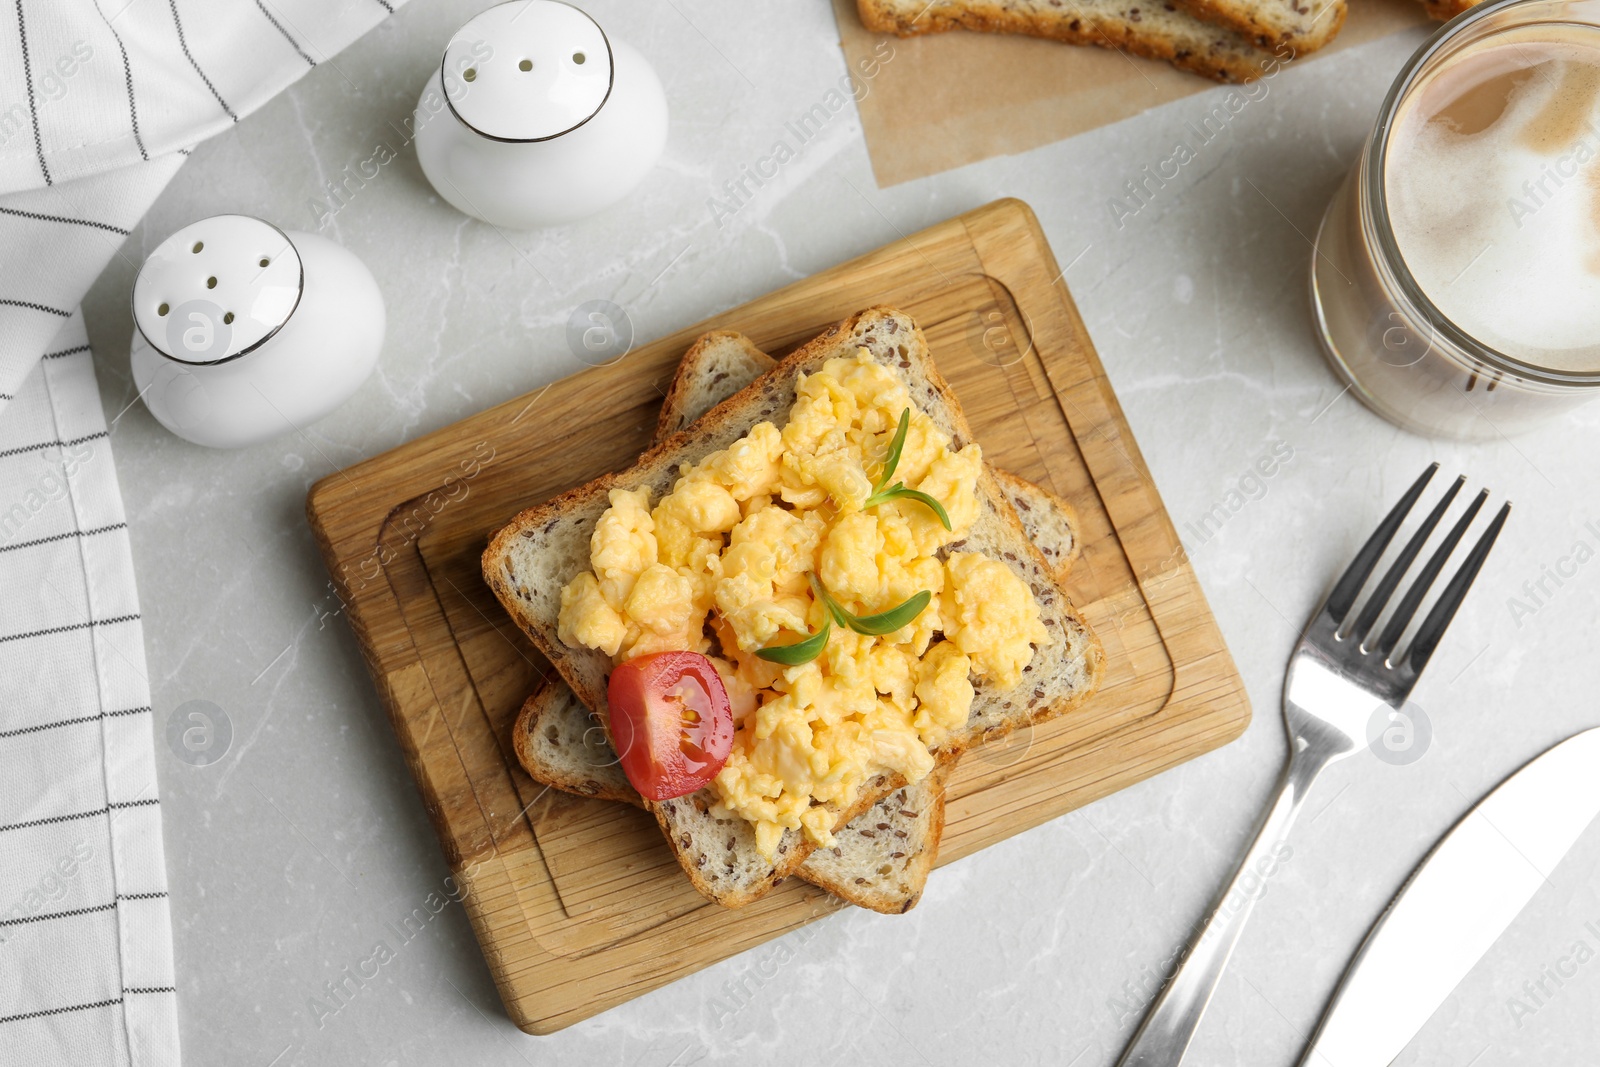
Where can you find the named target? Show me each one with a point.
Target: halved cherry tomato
(671, 722)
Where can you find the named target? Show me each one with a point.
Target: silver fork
(1336, 680)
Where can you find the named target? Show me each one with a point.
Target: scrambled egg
(720, 566)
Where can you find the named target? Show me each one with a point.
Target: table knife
(1464, 894)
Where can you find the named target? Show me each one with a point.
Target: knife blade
(1463, 895)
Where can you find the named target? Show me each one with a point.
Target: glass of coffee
(1456, 277)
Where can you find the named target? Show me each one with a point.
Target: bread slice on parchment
(1290, 28)
(530, 560)
(1175, 31)
(881, 859)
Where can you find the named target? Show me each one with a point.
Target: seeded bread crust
(532, 558)
(1155, 29)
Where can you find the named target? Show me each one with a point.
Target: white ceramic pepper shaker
(245, 332)
(547, 119)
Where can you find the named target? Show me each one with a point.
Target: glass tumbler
(1379, 328)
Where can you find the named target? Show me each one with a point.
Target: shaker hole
(579, 58)
(198, 245)
(228, 318)
(211, 283)
(163, 309)
(265, 261)
(526, 64)
(470, 74)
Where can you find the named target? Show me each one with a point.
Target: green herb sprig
(801, 651)
(883, 492)
(884, 622)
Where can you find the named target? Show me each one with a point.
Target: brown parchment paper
(948, 99)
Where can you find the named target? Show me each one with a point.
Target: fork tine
(1419, 588)
(1433, 627)
(1343, 597)
(1385, 588)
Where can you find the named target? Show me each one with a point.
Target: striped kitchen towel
(85, 936)
(99, 101)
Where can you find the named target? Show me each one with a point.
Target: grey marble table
(296, 855)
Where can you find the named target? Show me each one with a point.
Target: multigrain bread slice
(881, 860)
(1289, 28)
(532, 558)
(717, 365)
(1048, 521)
(1155, 29)
(722, 362)
(561, 745)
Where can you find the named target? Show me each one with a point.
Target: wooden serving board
(578, 903)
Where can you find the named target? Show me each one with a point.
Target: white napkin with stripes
(85, 938)
(98, 101)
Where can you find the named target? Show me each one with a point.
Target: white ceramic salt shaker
(245, 332)
(536, 117)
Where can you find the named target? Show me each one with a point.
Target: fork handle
(1164, 1036)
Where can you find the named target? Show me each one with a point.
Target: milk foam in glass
(1456, 280)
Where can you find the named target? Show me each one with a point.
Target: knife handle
(1164, 1036)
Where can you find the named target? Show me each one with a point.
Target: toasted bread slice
(1445, 10)
(881, 860)
(1155, 30)
(532, 558)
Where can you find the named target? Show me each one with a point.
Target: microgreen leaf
(892, 460)
(801, 651)
(899, 491)
(887, 622)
